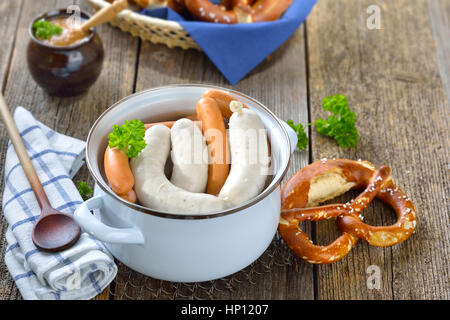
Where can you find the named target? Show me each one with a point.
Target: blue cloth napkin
(236, 49)
(80, 272)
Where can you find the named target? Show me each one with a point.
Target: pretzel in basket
(237, 11)
(151, 3)
(179, 4)
(324, 180)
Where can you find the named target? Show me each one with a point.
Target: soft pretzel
(324, 180)
(386, 235)
(179, 5)
(241, 11)
(299, 241)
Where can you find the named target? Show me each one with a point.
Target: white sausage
(189, 151)
(249, 158)
(152, 187)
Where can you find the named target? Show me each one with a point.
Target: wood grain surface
(72, 116)
(392, 80)
(396, 79)
(9, 11)
(440, 25)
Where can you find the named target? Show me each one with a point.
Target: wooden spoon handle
(22, 154)
(105, 14)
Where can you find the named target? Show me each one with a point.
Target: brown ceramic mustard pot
(67, 62)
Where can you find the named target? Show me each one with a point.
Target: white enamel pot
(175, 247)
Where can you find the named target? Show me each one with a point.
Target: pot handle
(89, 223)
(292, 135)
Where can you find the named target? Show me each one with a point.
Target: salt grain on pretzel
(384, 236)
(324, 180)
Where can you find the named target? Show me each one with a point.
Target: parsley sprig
(44, 29)
(129, 136)
(340, 125)
(302, 138)
(84, 190)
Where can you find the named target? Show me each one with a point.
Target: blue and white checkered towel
(80, 272)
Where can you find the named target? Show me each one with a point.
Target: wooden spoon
(53, 231)
(104, 15)
(76, 32)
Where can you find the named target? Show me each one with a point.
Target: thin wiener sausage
(223, 100)
(118, 172)
(130, 196)
(213, 128)
(169, 124)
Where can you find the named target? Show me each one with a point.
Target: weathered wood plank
(392, 80)
(279, 83)
(10, 12)
(440, 25)
(73, 116)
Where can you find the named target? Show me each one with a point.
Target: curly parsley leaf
(129, 136)
(44, 29)
(340, 125)
(302, 142)
(84, 190)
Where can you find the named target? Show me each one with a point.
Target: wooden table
(396, 79)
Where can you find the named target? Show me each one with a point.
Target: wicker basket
(151, 29)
